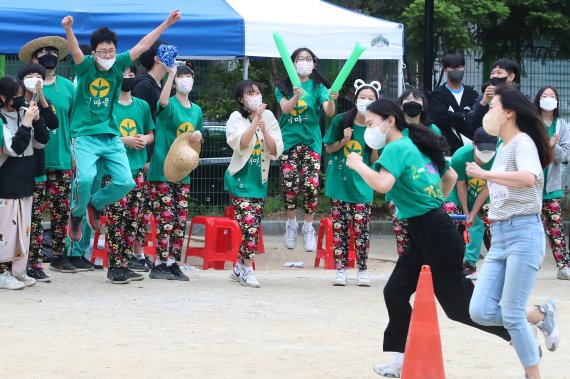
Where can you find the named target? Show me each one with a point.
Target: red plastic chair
(231, 214)
(222, 240)
(327, 252)
(97, 252)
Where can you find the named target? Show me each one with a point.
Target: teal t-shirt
(247, 181)
(301, 126)
(58, 150)
(462, 156)
(417, 189)
(96, 95)
(134, 119)
(555, 194)
(343, 183)
(171, 121)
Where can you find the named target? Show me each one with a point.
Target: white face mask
(105, 64)
(304, 68)
(30, 83)
(484, 156)
(361, 105)
(548, 104)
(374, 137)
(184, 85)
(254, 102)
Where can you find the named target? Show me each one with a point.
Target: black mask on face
(128, 84)
(49, 61)
(412, 108)
(17, 102)
(496, 81)
(455, 76)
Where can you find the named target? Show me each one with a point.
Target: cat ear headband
(359, 83)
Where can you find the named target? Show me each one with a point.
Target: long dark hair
(285, 85)
(348, 118)
(243, 88)
(417, 94)
(426, 141)
(528, 120)
(536, 102)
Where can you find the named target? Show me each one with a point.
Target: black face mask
(17, 102)
(49, 61)
(496, 81)
(412, 108)
(455, 76)
(128, 84)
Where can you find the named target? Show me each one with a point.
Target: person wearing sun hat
(48, 51)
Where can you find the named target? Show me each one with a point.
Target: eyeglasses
(307, 59)
(110, 52)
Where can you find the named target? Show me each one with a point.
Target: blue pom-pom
(167, 54)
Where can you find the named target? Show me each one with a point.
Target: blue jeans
(506, 279)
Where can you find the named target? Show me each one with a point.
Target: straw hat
(34, 45)
(182, 158)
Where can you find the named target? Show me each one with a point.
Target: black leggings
(434, 241)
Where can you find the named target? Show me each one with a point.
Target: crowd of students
(99, 145)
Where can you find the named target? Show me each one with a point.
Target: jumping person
(351, 197)
(253, 134)
(302, 138)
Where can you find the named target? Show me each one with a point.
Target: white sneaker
(548, 326)
(24, 278)
(392, 369)
(362, 278)
(290, 237)
(563, 273)
(8, 282)
(309, 242)
(340, 279)
(248, 279)
(237, 272)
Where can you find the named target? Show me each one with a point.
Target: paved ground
(297, 325)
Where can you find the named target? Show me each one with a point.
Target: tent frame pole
(245, 67)
(400, 76)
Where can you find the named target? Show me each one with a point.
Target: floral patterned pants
(344, 216)
(300, 168)
(400, 228)
(169, 204)
(552, 219)
(249, 212)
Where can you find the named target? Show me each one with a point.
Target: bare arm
(374, 156)
(146, 42)
(381, 181)
(336, 146)
(149, 136)
(462, 195)
(516, 179)
(448, 181)
(287, 105)
(480, 200)
(165, 94)
(72, 44)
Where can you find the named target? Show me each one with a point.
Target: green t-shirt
(58, 149)
(462, 156)
(555, 194)
(301, 126)
(134, 119)
(417, 189)
(96, 96)
(343, 183)
(247, 181)
(171, 121)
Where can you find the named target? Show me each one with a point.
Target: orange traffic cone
(423, 358)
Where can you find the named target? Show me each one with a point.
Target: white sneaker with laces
(392, 369)
(8, 282)
(248, 279)
(290, 237)
(24, 278)
(362, 279)
(563, 273)
(237, 272)
(309, 242)
(341, 277)
(548, 326)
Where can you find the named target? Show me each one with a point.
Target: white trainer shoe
(309, 241)
(548, 326)
(8, 282)
(290, 237)
(392, 369)
(563, 273)
(237, 272)
(341, 277)
(362, 279)
(248, 279)
(28, 281)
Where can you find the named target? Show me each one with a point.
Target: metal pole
(245, 68)
(400, 76)
(428, 46)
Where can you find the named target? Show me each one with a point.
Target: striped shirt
(520, 154)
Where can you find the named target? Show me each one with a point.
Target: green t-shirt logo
(256, 149)
(99, 88)
(352, 147)
(476, 185)
(128, 127)
(184, 127)
(299, 108)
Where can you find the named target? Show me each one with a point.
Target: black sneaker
(81, 263)
(133, 276)
(161, 272)
(39, 275)
(61, 264)
(178, 274)
(93, 217)
(137, 265)
(469, 269)
(147, 262)
(97, 266)
(74, 228)
(118, 275)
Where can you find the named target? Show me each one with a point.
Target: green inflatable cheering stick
(287, 62)
(347, 68)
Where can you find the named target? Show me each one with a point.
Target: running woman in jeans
(516, 183)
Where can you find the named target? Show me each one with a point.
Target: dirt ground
(297, 325)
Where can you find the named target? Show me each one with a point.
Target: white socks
(170, 261)
(307, 225)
